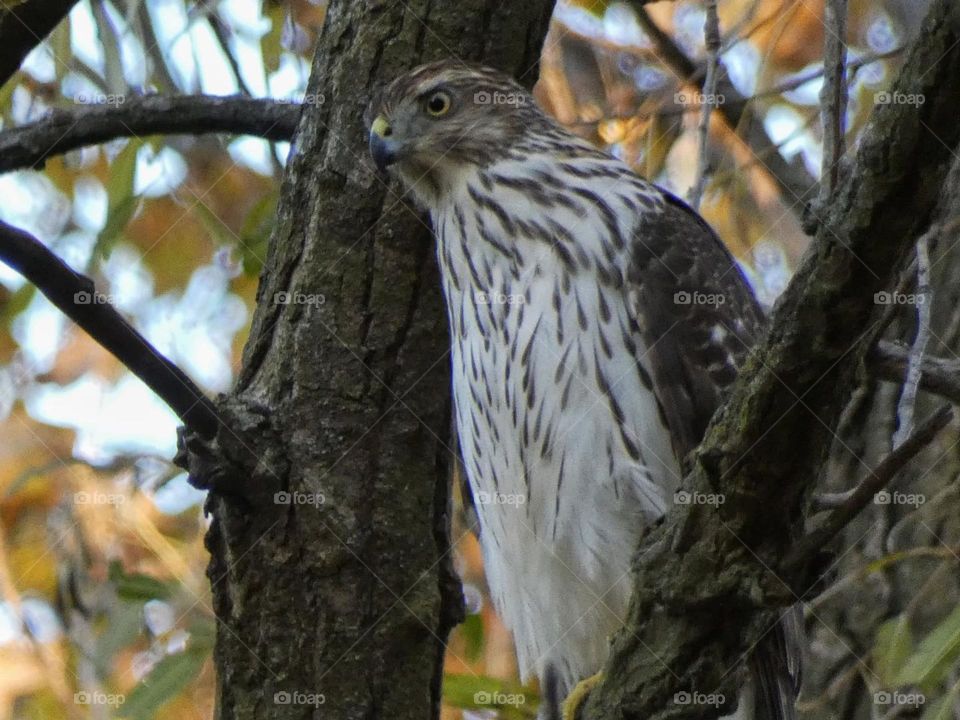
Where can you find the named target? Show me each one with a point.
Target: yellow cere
(380, 126)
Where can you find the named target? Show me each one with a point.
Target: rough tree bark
(847, 614)
(344, 394)
(709, 582)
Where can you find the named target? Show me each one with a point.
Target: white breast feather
(559, 581)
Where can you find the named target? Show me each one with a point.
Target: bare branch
(714, 575)
(794, 180)
(75, 295)
(939, 376)
(833, 96)
(856, 500)
(711, 32)
(908, 398)
(23, 26)
(853, 66)
(28, 146)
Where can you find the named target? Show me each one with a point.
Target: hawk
(595, 320)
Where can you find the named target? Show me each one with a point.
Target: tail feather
(775, 669)
(551, 695)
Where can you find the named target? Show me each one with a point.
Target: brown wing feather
(698, 319)
(696, 314)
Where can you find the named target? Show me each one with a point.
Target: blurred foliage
(105, 607)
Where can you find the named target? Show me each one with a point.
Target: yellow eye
(438, 103)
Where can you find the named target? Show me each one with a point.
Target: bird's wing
(698, 319)
(695, 312)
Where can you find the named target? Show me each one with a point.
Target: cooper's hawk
(595, 321)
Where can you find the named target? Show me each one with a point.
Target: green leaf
(18, 302)
(935, 655)
(203, 633)
(122, 204)
(255, 234)
(942, 708)
(170, 677)
(270, 44)
(124, 627)
(594, 7)
(218, 231)
(6, 96)
(110, 41)
(472, 631)
(472, 692)
(893, 646)
(136, 586)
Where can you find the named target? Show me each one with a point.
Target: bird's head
(438, 119)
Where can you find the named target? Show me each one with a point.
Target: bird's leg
(571, 706)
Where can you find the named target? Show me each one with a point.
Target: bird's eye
(438, 103)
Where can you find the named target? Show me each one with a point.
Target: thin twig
(75, 295)
(864, 493)
(924, 298)
(222, 32)
(833, 96)
(793, 179)
(938, 376)
(708, 100)
(853, 67)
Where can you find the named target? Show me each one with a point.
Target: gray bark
(846, 617)
(346, 395)
(710, 582)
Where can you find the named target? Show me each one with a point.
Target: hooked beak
(383, 148)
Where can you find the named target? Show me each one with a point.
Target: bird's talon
(571, 706)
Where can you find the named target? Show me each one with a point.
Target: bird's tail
(551, 695)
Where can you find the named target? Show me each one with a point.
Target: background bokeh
(104, 602)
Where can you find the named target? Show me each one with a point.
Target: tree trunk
(339, 593)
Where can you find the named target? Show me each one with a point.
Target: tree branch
(889, 361)
(64, 130)
(711, 33)
(23, 26)
(864, 493)
(833, 96)
(709, 580)
(794, 180)
(908, 396)
(74, 294)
